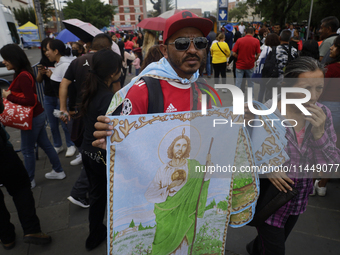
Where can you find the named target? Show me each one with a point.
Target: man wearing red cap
(184, 50)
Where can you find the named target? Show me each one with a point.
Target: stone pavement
(317, 232)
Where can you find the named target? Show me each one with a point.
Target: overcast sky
(205, 5)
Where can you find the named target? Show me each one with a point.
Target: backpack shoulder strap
(289, 53)
(155, 93)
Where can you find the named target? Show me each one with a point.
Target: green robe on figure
(175, 218)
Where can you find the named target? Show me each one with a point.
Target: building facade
(14, 4)
(127, 13)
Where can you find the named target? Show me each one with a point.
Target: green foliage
(115, 234)
(211, 205)
(223, 205)
(140, 227)
(207, 241)
(275, 11)
(140, 249)
(47, 10)
(241, 182)
(295, 10)
(239, 12)
(132, 224)
(23, 15)
(323, 9)
(92, 11)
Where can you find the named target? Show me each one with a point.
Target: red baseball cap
(186, 19)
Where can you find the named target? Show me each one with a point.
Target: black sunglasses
(183, 43)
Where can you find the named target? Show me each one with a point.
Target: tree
(132, 224)
(92, 11)
(23, 15)
(211, 205)
(323, 9)
(295, 10)
(239, 12)
(157, 7)
(276, 11)
(47, 10)
(223, 205)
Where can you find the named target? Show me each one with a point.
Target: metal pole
(175, 4)
(37, 8)
(163, 6)
(310, 16)
(56, 16)
(61, 15)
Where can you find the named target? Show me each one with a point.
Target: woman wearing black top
(51, 100)
(99, 88)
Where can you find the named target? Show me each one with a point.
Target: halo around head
(189, 131)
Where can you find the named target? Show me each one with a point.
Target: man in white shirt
(241, 28)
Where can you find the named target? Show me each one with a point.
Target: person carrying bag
(16, 115)
(22, 92)
(220, 52)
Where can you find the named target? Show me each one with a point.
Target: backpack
(270, 68)
(155, 94)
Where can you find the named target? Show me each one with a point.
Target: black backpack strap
(289, 52)
(155, 93)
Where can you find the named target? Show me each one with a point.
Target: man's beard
(178, 154)
(177, 63)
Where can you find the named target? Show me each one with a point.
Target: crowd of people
(81, 82)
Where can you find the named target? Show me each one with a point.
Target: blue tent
(104, 29)
(66, 36)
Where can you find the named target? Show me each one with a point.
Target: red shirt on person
(128, 45)
(22, 92)
(246, 48)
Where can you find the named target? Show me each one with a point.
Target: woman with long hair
(154, 54)
(51, 101)
(99, 88)
(23, 92)
(149, 41)
(311, 141)
(140, 39)
(331, 98)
